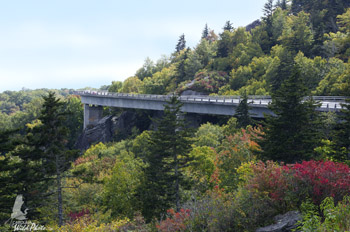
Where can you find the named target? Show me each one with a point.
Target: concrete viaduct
(216, 105)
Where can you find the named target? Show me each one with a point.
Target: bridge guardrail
(252, 99)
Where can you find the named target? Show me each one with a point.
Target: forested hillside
(229, 174)
(313, 35)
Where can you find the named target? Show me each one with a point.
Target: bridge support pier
(92, 114)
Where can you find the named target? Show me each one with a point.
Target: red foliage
(76, 215)
(315, 179)
(270, 178)
(326, 178)
(175, 221)
(82, 160)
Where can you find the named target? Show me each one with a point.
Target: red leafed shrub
(325, 178)
(288, 183)
(77, 215)
(174, 221)
(271, 179)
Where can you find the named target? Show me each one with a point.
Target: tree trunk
(177, 188)
(59, 192)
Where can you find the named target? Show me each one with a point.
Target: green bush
(333, 218)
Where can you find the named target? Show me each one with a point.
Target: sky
(76, 44)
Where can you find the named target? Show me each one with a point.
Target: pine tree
(45, 156)
(284, 69)
(242, 113)
(9, 185)
(342, 134)
(224, 44)
(292, 133)
(268, 27)
(181, 44)
(228, 26)
(170, 145)
(205, 32)
(180, 65)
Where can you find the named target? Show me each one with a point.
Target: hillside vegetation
(313, 35)
(233, 175)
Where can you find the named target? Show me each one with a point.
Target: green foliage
(293, 133)
(131, 85)
(170, 145)
(235, 150)
(297, 35)
(157, 84)
(201, 168)
(206, 50)
(115, 87)
(242, 113)
(74, 120)
(119, 193)
(181, 44)
(147, 69)
(205, 82)
(342, 135)
(335, 217)
(209, 135)
(230, 128)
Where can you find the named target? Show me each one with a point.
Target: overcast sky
(79, 43)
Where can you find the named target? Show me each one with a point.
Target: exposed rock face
(284, 223)
(106, 129)
(253, 25)
(192, 93)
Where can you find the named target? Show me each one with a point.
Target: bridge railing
(328, 102)
(253, 99)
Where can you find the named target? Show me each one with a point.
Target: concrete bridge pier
(92, 114)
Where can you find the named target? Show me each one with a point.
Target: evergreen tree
(267, 19)
(282, 4)
(45, 156)
(9, 185)
(268, 10)
(228, 26)
(205, 32)
(181, 44)
(242, 113)
(292, 133)
(180, 65)
(342, 134)
(283, 71)
(170, 145)
(224, 44)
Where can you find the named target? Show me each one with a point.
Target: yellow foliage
(34, 123)
(245, 171)
(85, 224)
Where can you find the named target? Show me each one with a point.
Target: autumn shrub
(286, 185)
(251, 210)
(174, 221)
(73, 216)
(322, 179)
(205, 82)
(88, 224)
(213, 212)
(234, 150)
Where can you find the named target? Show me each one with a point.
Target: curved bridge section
(216, 105)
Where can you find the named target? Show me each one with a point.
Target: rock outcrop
(253, 25)
(106, 130)
(284, 223)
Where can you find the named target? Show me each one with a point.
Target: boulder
(283, 223)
